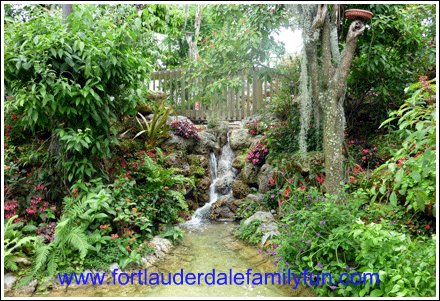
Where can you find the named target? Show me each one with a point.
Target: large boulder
(255, 197)
(240, 189)
(240, 139)
(263, 178)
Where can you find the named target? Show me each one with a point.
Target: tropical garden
(99, 169)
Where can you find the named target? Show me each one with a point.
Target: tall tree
(324, 76)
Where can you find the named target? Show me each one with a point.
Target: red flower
(302, 187)
(357, 168)
(427, 227)
(13, 116)
(352, 179)
(320, 178)
(286, 192)
(392, 212)
(114, 236)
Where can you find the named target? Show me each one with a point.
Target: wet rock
(263, 216)
(224, 184)
(240, 139)
(9, 281)
(223, 209)
(240, 189)
(28, 289)
(263, 177)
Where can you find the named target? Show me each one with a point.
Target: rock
(313, 161)
(238, 162)
(171, 119)
(223, 185)
(249, 174)
(240, 139)
(256, 198)
(240, 189)
(206, 144)
(28, 289)
(148, 261)
(269, 230)
(9, 281)
(263, 178)
(162, 244)
(114, 266)
(263, 216)
(250, 119)
(204, 183)
(23, 261)
(180, 143)
(223, 209)
(144, 109)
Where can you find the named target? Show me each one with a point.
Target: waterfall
(222, 173)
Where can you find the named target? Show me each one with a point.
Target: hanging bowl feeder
(358, 14)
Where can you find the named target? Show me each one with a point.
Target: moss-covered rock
(240, 189)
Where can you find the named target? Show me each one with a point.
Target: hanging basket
(358, 14)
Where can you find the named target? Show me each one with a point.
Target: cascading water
(222, 176)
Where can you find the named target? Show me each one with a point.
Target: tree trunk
(67, 9)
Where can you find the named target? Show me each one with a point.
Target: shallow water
(212, 246)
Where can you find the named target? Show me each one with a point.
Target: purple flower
(322, 222)
(309, 196)
(393, 222)
(319, 265)
(318, 234)
(272, 196)
(308, 243)
(287, 264)
(333, 287)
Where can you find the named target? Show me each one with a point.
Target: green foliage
(409, 175)
(72, 231)
(17, 244)
(248, 207)
(156, 130)
(174, 233)
(250, 232)
(325, 234)
(67, 77)
(393, 52)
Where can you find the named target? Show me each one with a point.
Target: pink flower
(365, 150)
(364, 158)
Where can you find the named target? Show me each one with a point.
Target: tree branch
(320, 17)
(356, 28)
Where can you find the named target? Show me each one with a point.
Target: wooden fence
(230, 104)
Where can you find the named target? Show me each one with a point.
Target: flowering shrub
(257, 156)
(185, 129)
(256, 128)
(364, 154)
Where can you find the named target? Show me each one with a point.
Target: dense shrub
(67, 77)
(257, 155)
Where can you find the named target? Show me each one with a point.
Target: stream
(206, 246)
